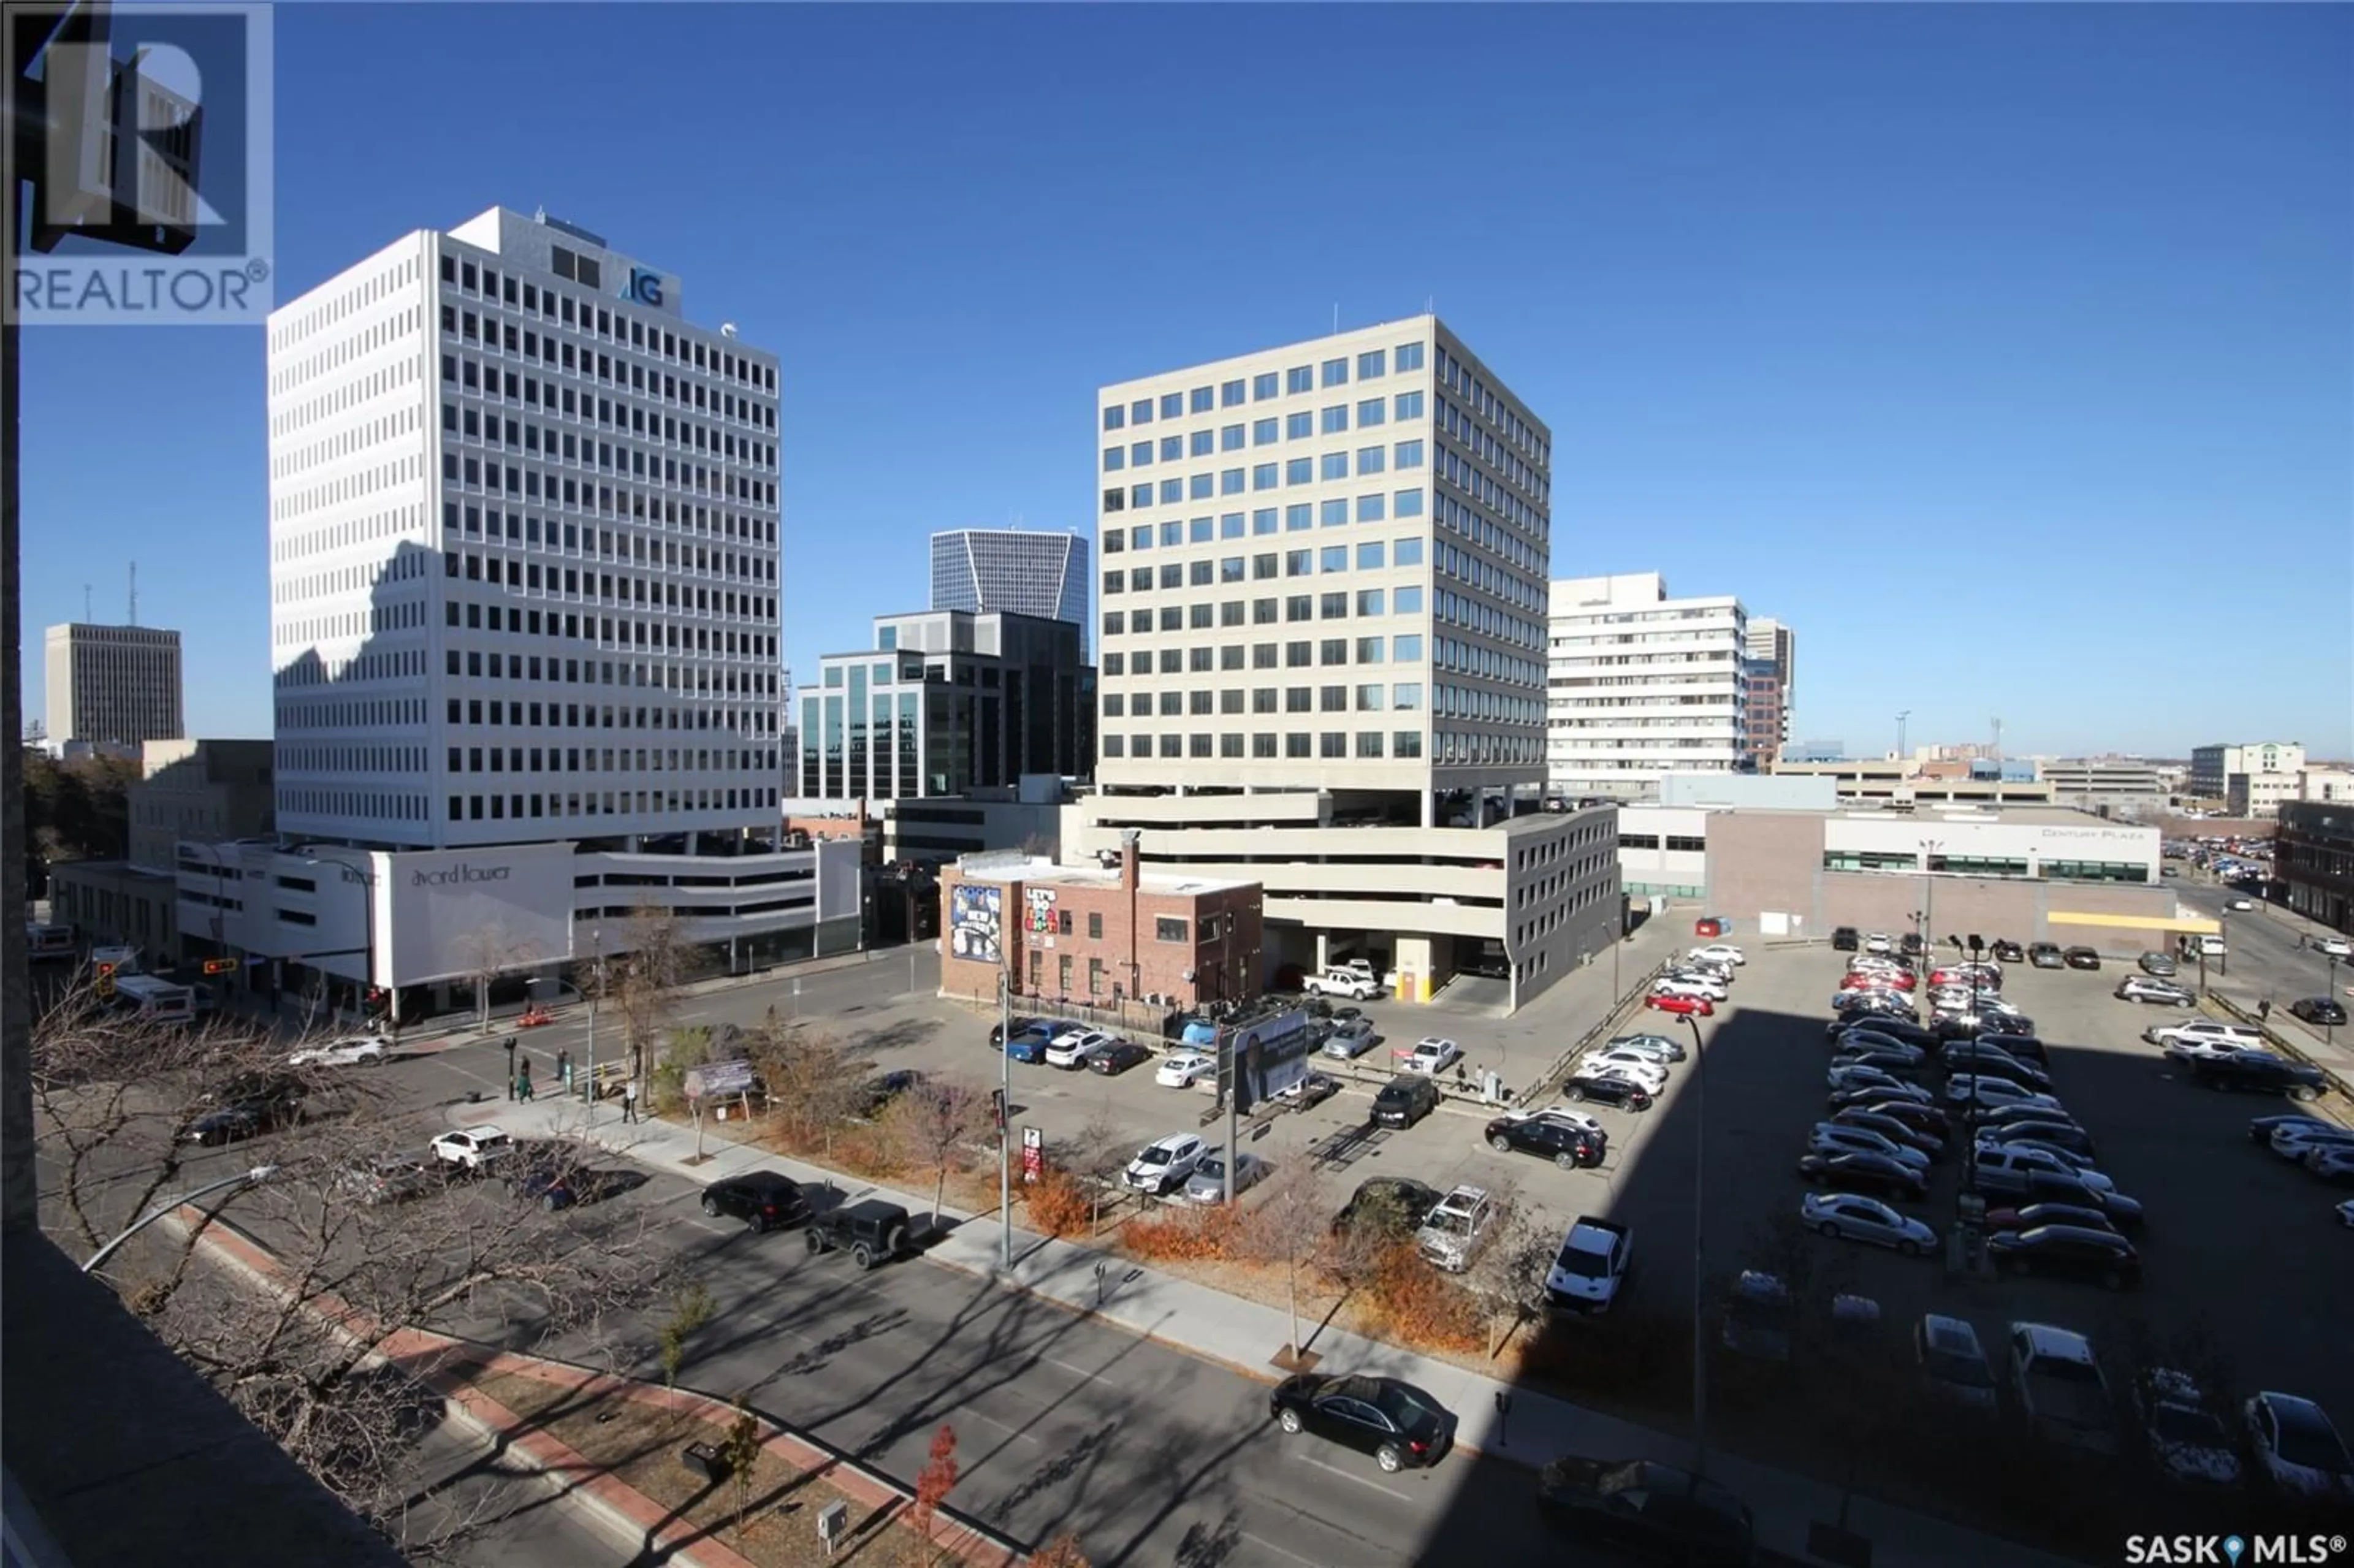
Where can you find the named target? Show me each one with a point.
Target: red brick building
(1096, 935)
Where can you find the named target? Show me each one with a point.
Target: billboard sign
(716, 1080)
(976, 922)
(449, 914)
(1041, 901)
(1262, 1059)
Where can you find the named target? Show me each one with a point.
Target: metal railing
(1609, 1020)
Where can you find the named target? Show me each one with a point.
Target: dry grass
(640, 1443)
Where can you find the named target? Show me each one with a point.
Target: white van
(157, 1000)
(48, 941)
(125, 959)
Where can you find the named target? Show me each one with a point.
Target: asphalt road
(2264, 960)
(513, 1516)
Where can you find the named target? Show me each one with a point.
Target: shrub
(1198, 1234)
(1058, 1205)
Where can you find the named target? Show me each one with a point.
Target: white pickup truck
(1354, 984)
(1592, 1265)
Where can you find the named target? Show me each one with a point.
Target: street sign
(719, 1078)
(1034, 1154)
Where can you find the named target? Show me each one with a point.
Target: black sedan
(1895, 1064)
(2259, 1074)
(1651, 1510)
(877, 1093)
(2081, 958)
(2035, 1214)
(1606, 1091)
(1902, 1031)
(2070, 1250)
(1555, 1137)
(2319, 1009)
(1970, 1025)
(1881, 1096)
(1862, 1171)
(2051, 1187)
(1923, 1121)
(1989, 1062)
(2010, 952)
(1021, 1026)
(1893, 1129)
(1117, 1057)
(763, 1200)
(2065, 1136)
(1399, 1424)
(1390, 1206)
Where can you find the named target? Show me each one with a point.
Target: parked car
(1964, 1057)
(1844, 939)
(1895, 1130)
(1311, 1090)
(1840, 1214)
(1839, 1137)
(1681, 1006)
(2157, 963)
(2261, 1128)
(2165, 993)
(1394, 1206)
(1624, 1063)
(1354, 984)
(2081, 958)
(2019, 1045)
(2070, 1251)
(1184, 1069)
(2319, 1011)
(1757, 1316)
(2255, 1074)
(1723, 952)
(1592, 1264)
(2332, 1163)
(1429, 1057)
(1878, 942)
(1399, 1424)
(1902, 1031)
(472, 1149)
(764, 1200)
(2045, 956)
(2027, 1217)
(1841, 1079)
(2059, 1387)
(2237, 1035)
(1996, 1165)
(1952, 1361)
(1605, 1089)
(1069, 1050)
(1029, 1046)
(1658, 1047)
(1899, 1061)
(2183, 1436)
(1859, 1171)
(2008, 952)
(1350, 1039)
(1165, 1163)
(1691, 982)
(2063, 1136)
(872, 1231)
(1207, 1184)
(1117, 1057)
(1567, 1140)
(1453, 1232)
(359, 1050)
(1405, 1100)
(1881, 1096)
(1649, 1509)
(2298, 1446)
(1923, 1121)
(2294, 1143)
(1970, 1088)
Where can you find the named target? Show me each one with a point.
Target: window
(1230, 481)
(1336, 372)
(1300, 426)
(1407, 694)
(1408, 503)
(1406, 601)
(1299, 379)
(1204, 400)
(1406, 404)
(1406, 649)
(1334, 511)
(1230, 439)
(1336, 418)
(1372, 411)
(1263, 475)
(1369, 650)
(1113, 459)
(1173, 405)
(1336, 465)
(1263, 653)
(1114, 623)
(1405, 743)
(1333, 743)
(1140, 411)
(1298, 655)
(1169, 928)
(1230, 394)
(1264, 432)
(1263, 385)
(1173, 575)
(1115, 418)
(1372, 460)
(1172, 448)
(1336, 557)
(1298, 563)
(1197, 488)
(1333, 607)
(1298, 516)
(1298, 700)
(1173, 534)
(1300, 471)
(1371, 508)
(1369, 742)
(1370, 364)
(1263, 520)
(1262, 568)
(1369, 553)
(1202, 442)
(1141, 536)
(1405, 552)
(1334, 651)
(1332, 699)
(1409, 357)
(1409, 454)
(1115, 663)
(1369, 601)
(1115, 705)
(1197, 531)
(1172, 492)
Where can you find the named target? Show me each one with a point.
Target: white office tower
(523, 599)
(1321, 648)
(522, 547)
(113, 685)
(1641, 685)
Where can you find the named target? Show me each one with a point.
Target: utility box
(833, 1524)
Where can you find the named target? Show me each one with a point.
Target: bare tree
(931, 1122)
(814, 1080)
(643, 983)
(1289, 1225)
(1507, 1275)
(357, 1250)
(487, 952)
(1097, 1154)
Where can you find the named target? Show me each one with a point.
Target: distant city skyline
(1973, 343)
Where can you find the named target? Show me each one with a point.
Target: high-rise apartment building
(1642, 685)
(1769, 678)
(1321, 653)
(1010, 571)
(522, 548)
(113, 685)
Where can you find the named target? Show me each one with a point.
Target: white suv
(1456, 1230)
(2204, 1037)
(1165, 1163)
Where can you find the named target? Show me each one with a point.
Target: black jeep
(872, 1231)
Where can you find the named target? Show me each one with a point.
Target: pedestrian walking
(522, 1084)
(629, 1100)
(564, 1069)
(511, 1066)
(2265, 1010)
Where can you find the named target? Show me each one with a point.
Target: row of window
(1370, 555)
(1262, 744)
(631, 803)
(583, 542)
(1198, 617)
(614, 588)
(1291, 472)
(1292, 519)
(553, 304)
(470, 424)
(1332, 420)
(1371, 365)
(1456, 377)
(1230, 656)
(472, 375)
(506, 712)
(528, 483)
(596, 759)
(1372, 698)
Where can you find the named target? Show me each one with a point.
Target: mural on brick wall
(976, 923)
(1042, 909)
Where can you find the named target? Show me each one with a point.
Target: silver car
(1658, 1047)
(1865, 1219)
(1352, 1039)
(1208, 1182)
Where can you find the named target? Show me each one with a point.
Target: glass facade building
(987, 571)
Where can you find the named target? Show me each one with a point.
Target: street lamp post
(1968, 1185)
(2329, 995)
(242, 1178)
(1700, 1277)
(1004, 1117)
(588, 1083)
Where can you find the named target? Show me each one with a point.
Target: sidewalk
(1243, 1334)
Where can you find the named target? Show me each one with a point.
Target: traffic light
(220, 966)
(105, 986)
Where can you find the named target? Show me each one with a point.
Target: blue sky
(2006, 353)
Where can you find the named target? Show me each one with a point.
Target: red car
(1684, 1006)
(1902, 980)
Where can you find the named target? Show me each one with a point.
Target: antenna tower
(134, 593)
